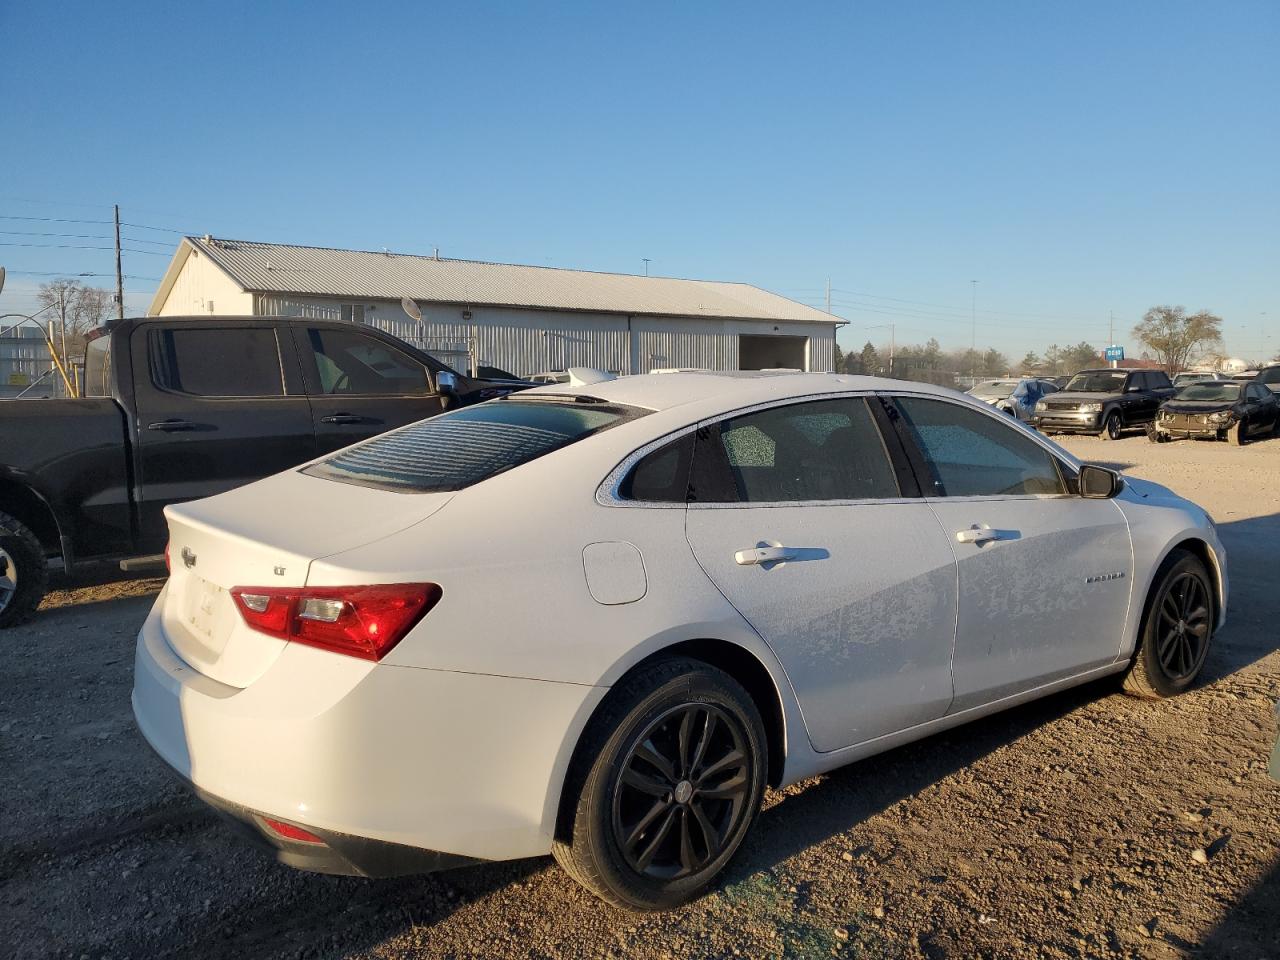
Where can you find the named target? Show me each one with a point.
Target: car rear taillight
(363, 622)
(167, 568)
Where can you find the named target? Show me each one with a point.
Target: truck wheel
(23, 575)
(1111, 426)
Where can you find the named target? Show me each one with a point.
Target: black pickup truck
(1106, 402)
(177, 408)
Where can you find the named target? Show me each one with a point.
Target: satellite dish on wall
(411, 308)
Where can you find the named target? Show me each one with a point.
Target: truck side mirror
(1099, 483)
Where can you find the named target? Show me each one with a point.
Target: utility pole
(646, 265)
(119, 274)
(828, 294)
(1111, 333)
(893, 343)
(973, 346)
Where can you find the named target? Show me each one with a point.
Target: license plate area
(204, 616)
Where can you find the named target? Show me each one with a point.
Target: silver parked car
(1015, 396)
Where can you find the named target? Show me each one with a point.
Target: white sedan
(598, 622)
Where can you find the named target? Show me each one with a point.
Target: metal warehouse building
(518, 318)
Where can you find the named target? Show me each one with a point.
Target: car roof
(733, 389)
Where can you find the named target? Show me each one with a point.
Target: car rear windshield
(994, 388)
(1220, 392)
(458, 449)
(1100, 381)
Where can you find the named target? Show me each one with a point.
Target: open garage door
(763, 353)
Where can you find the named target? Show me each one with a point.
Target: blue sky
(1075, 158)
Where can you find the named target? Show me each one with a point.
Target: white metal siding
(525, 341)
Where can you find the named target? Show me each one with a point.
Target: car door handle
(344, 418)
(172, 425)
(758, 555)
(981, 533)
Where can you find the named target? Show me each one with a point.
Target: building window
(353, 313)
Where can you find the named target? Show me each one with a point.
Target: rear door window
(216, 361)
(461, 448)
(803, 452)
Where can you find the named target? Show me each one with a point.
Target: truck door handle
(344, 418)
(169, 426)
(981, 533)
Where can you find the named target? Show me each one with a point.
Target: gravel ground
(1087, 824)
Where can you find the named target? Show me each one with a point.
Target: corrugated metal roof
(362, 274)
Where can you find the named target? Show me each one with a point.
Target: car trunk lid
(265, 534)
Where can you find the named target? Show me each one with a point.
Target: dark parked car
(181, 408)
(1105, 402)
(1217, 410)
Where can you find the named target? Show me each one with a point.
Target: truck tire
(23, 574)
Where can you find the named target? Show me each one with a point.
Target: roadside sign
(1115, 353)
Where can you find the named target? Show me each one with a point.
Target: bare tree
(76, 310)
(1174, 336)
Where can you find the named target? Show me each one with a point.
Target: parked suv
(1105, 402)
(1269, 377)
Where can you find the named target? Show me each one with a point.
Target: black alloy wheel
(682, 792)
(1183, 631)
(1111, 426)
(664, 785)
(1177, 632)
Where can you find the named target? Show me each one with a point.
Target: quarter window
(661, 476)
(216, 362)
(973, 454)
(815, 451)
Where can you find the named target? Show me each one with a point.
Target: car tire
(1111, 426)
(638, 826)
(24, 576)
(1238, 435)
(1177, 629)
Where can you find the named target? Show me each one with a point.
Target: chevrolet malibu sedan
(599, 622)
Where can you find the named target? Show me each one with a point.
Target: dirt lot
(1088, 824)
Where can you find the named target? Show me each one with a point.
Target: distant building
(520, 319)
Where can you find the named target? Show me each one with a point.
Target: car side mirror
(1133, 388)
(1099, 483)
(447, 383)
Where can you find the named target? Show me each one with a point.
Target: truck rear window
(458, 449)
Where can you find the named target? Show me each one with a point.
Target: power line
(76, 273)
(96, 223)
(79, 246)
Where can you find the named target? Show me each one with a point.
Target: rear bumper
(398, 769)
